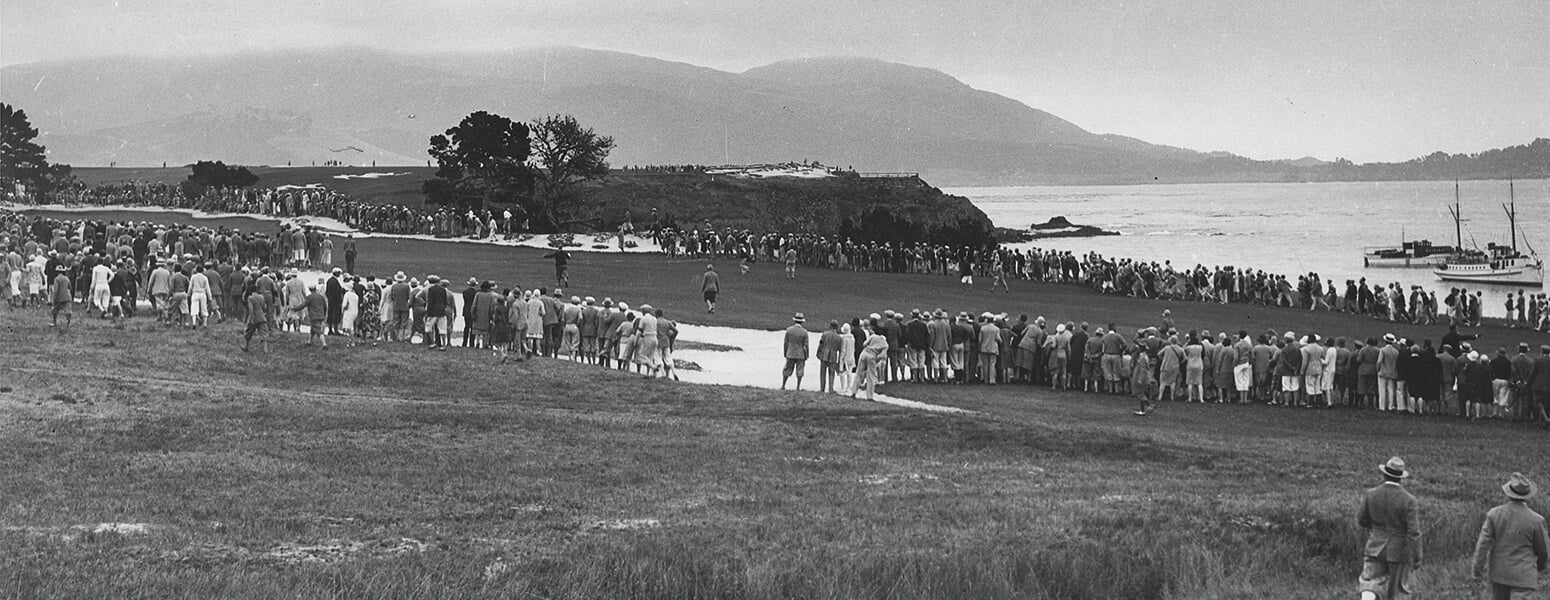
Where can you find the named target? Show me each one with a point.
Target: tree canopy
(23, 160)
(481, 160)
(216, 174)
(490, 159)
(567, 154)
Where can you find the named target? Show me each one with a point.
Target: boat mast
(1458, 228)
(1512, 215)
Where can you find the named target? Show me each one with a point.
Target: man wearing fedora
(1392, 519)
(1513, 545)
(796, 351)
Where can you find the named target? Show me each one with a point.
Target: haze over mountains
(359, 106)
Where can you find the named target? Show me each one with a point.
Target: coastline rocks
(1059, 227)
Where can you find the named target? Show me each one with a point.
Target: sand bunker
(372, 175)
(336, 550)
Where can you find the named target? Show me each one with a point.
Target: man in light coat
(1513, 545)
(1392, 519)
(796, 351)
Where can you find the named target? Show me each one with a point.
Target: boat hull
(1530, 276)
(1425, 262)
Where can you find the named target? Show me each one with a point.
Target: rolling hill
(363, 106)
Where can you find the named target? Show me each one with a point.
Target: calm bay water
(1286, 228)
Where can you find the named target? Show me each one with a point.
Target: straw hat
(1395, 468)
(400, 277)
(1519, 487)
(799, 318)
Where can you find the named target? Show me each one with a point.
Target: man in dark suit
(469, 291)
(1392, 519)
(1514, 546)
(1539, 386)
(334, 293)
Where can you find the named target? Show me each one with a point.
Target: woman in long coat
(350, 310)
(535, 323)
(1222, 364)
(500, 325)
(482, 313)
(516, 314)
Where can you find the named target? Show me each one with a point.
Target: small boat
(1410, 255)
(1498, 264)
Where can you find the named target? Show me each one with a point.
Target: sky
(1367, 80)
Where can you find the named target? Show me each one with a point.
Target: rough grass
(394, 473)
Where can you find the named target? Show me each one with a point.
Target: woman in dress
(535, 323)
(500, 326)
(516, 315)
(847, 357)
(872, 351)
(1170, 361)
(384, 314)
(370, 322)
(1331, 357)
(1194, 369)
(350, 309)
(481, 314)
(627, 341)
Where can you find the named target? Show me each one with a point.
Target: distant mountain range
(359, 106)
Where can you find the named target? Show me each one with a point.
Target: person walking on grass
(710, 285)
(791, 263)
(1513, 547)
(796, 351)
(1392, 518)
(60, 298)
(561, 266)
(256, 317)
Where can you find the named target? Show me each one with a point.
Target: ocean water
(1286, 228)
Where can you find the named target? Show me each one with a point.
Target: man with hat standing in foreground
(1513, 545)
(796, 351)
(1392, 519)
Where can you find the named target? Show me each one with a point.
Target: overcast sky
(1367, 80)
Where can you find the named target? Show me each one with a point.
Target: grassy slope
(514, 475)
(777, 204)
(401, 189)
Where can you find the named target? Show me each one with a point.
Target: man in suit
(796, 351)
(1514, 546)
(829, 346)
(1392, 519)
(1539, 385)
(334, 293)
